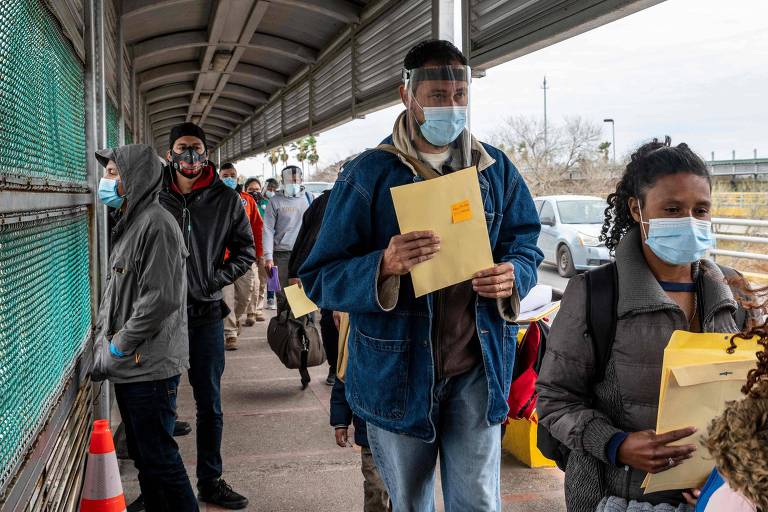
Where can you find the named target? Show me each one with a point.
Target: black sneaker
(181, 428)
(137, 505)
(221, 494)
(331, 380)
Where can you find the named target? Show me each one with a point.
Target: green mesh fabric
(42, 112)
(128, 135)
(44, 319)
(113, 125)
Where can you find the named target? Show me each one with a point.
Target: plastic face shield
(437, 104)
(291, 175)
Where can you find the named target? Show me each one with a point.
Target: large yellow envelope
(452, 207)
(299, 302)
(698, 378)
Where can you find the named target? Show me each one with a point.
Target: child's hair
(738, 438)
(650, 162)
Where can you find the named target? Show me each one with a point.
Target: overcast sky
(693, 69)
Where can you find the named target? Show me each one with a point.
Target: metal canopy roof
(215, 62)
(259, 73)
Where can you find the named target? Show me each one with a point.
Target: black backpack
(602, 300)
(601, 328)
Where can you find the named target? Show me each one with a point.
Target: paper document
(698, 377)
(298, 300)
(534, 315)
(450, 206)
(538, 296)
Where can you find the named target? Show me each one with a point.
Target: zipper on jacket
(437, 340)
(627, 480)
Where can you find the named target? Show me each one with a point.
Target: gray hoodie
(282, 222)
(143, 310)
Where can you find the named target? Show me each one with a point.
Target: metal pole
(544, 87)
(444, 14)
(613, 137)
(102, 220)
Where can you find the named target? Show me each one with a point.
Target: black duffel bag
(296, 341)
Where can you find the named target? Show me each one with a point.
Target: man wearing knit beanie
(213, 221)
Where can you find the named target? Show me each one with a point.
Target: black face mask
(256, 196)
(191, 157)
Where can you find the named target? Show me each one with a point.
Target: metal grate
(45, 314)
(42, 134)
(113, 126)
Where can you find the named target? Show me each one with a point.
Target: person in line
(310, 227)
(738, 438)
(253, 187)
(238, 295)
(283, 221)
(375, 494)
(255, 312)
(212, 221)
(429, 376)
(658, 223)
(268, 296)
(143, 311)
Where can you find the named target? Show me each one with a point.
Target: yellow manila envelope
(698, 378)
(298, 300)
(451, 207)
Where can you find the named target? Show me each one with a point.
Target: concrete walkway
(280, 452)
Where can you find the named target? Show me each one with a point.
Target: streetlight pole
(544, 87)
(613, 136)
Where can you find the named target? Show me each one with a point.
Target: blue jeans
(148, 410)
(469, 449)
(206, 365)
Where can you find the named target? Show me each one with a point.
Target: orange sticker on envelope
(461, 211)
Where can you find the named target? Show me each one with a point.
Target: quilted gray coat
(585, 417)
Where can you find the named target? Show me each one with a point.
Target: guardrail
(743, 232)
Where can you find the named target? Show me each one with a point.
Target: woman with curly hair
(738, 438)
(658, 224)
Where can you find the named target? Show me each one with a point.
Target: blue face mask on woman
(108, 193)
(443, 125)
(679, 241)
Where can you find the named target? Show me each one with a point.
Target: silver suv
(570, 230)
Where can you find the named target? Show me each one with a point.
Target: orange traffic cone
(102, 490)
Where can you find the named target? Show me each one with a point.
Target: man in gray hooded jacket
(141, 343)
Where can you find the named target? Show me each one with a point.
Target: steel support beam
(215, 30)
(233, 66)
(168, 92)
(447, 21)
(157, 46)
(339, 10)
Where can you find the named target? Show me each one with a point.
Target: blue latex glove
(113, 350)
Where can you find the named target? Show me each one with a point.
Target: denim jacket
(390, 376)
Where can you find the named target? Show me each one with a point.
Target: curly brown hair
(738, 438)
(650, 162)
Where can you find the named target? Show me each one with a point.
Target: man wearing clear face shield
(282, 222)
(430, 376)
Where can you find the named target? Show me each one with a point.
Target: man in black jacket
(212, 219)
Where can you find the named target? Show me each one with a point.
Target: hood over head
(141, 172)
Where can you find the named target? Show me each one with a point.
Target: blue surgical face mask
(679, 241)
(269, 194)
(443, 125)
(230, 182)
(292, 189)
(108, 193)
